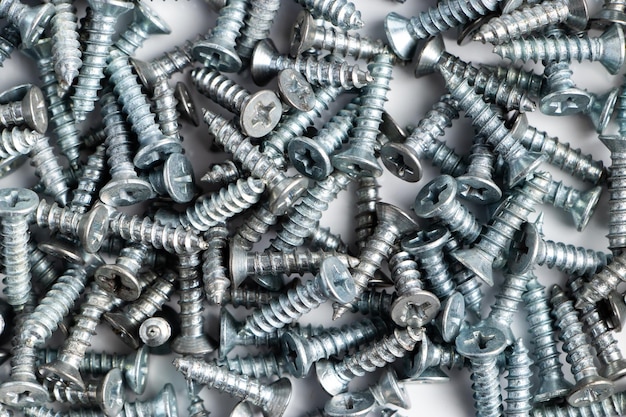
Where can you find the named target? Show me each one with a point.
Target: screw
(108, 394)
(186, 105)
(437, 200)
(322, 238)
(256, 26)
(163, 404)
(430, 355)
(16, 142)
(332, 282)
(164, 66)
(48, 169)
(499, 232)
(92, 178)
(218, 50)
(283, 190)
(24, 104)
(403, 34)
(559, 154)
(166, 108)
(42, 269)
(366, 200)
(334, 377)
(307, 33)
(155, 332)
(31, 21)
(248, 297)
(9, 40)
(359, 158)
(175, 178)
(519, 384)
(563, 98)
(66, 367)
(96, 53)
(403, 159)
(273, 398)
(66, 53)
(613, 405)
(392, 224)
(215, 275)
(477, 184)
(616, 183)
(513, 25)
(145, 23)
(222, 173)
(196, 404)
(254, 226)
(581, 205)
(340, 13)
(300, 353)
(612, 12)
(261, 366)
(350, 404)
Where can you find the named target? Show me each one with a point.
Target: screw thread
(295, 123)
(212, 209)
(191, 295)
(196, 404)
(322, 238)
(165, 108)
(95, 54)
(519, 78)
(334, 133)
(41, 268)
(134, 103)
(570, 259)
(550, 48)
(448, 14)
(58, 219)
(558, 76)
(603, 339)
(38, 411)
(132, 38)
(17, 141)
(256, 224)
(62, 393)
(345, 44)
(9, 40)
(222, 173)
(65, 46)
(48, 169)
(511, 26)
(404, 272)
(56, 304)
(94, 137)
(376, 303)
(508, 298)
(561, 155)
(341, 13)
(23, 361)
(545, 349)
(286, 308)
(612, 406)
(173, 61)
(11, 113)
(136, 229)
(366, 199)
(617, 203)
(220, 88)
(152, 299)
(91, 180)
(262, 366)
(215, 275)
(603, 282)
(248, 297)
(230, 21)
(575, 345)
(301, 261)
(15, 236)
(328, 73)
(469, 286)
(93, 363)
(486, 386)
(233, 384)
(257, 24)
(436, 273)
(299, 223)
(378, 354)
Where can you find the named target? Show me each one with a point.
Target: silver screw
(519, 384)
(24, 105)
(66, 52)
(93, 175)
(9, 40)
(30, 20)
(168, 63)
(174, 178)
(16, 141)
(254, 226)
(196, 404)
(518, 23)
(429, 357)
(256, 26)
(144, 24)
(477, 184)
(340, 13)
(612, 12)
(215, 274)
(613, 405)
(155, 332)
(260, 366)
(332, 282)
(616, 183)
(324, 239)
(96, 53)
(349, 404)
(222, 173)
(273, 398)
(42, 269)
(365, 216)
(581, 205)
(48, 169)
(562, 97)
(163, 404)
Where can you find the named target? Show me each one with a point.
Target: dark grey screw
(24, 104)
(590, 387)
(273, 398)
(340, 13)
(9, 40)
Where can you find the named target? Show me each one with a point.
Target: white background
(409, 100)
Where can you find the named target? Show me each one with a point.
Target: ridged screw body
(145, 23)
(617, 191)
(340, 13)
(215, 274)
(165, 65)
(256, 224)
(66, 52)
(9, 40)
(48, 169)
(256, 26)
(366, 199)
(519, 396)
(17, 141)
(261, 366)
(324, 239)
(165, 108)
(93, 175)
(614, 405)
(30, 20)
(222, 173)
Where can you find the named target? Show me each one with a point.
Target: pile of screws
(411, 283)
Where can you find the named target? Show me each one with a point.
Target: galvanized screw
(145, 23)
(215, 275)
(340, 13)
(66, 52)
(30, 20)
(25, 106)
(519, 397)
(9, 40)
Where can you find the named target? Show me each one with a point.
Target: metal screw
(9, 40)
(175, 178)
(581, 205)
(477, 184)
(16, 141)
(155, 332)
(612, 12)
(340, 13)
(519, 384)
(163, 404)
(260, 366)
(273, 398)
(215, 275)
(590, 387)
(24, 104)
(30, 20)
(256, 26)
(616, 183)
(222, 173)
(168, 63)
(322, 238)
(166, 108)
(430, 356)
(366, 199)
(145, 23)
(562, 97)
(349, 404)
(66, 52)
(93, 175)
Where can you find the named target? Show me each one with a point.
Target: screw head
(62, 372)
(478, 190)
(399, 36)
(260, 113)
(483, 342)
(124, 328)
(615, 144)
(214, 55)
(17, 202)
(309, 158)
(34, 108)
(352, 404)
(237, 264)
(136, 374)
(606, 17)
(186, 105)
(119, 281)
(357, 162)
(93, 228)
(192, 345)
(155, 150)
(527, 249)
(296, 354)
(435, 197)
(150, 21)
(110, 394)
(602, 108)
(125, 192)
(392, 129)
(401, 161)
(295, 90)
(396, 219)
(165, 402)
(147, 75)
(20, 394)
(590, 390)
(428, 56)
(578, 15)
(585, 206)
(284, 194)
(281, 395)
(229, 331)
(565, 102)
(474, 260)
(551, 388)
(261, 68)
(452, 316)
(613, 370)
(518, 169)
(302, 34)
(63, 249)
(155, 331)
(414, 309)
(616, 310)
(178, 178)
(33, 22)
(329, 378)
(336, 280)
(390, 391)
(424, 242)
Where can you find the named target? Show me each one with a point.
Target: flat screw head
(178, 178)
(284, 194)
(281, 395)
(17, 202)
(527, 249)
(294, 350)
(186, 104)
(260, 113)
(337, 280)
(401, 161)
(590, 390)
(435, 196)
(136, 375)
(118, 281)
(144, 71)
(452, 317)
(578, 15)
(35, 110)
(61, 372)
(352, 404)
(151, 22)
(34, 22)
(399, 36)
(165, 402)
(309, 158)
(126, 192)
(415, 309)
(481, 343)
(395, 218)
(425, 241)
(93, 228)
(124, 328)
(111, 395)
(20, 394)
(215, 55)
(261, 68)
(565, 103)
(328, 377)
(302, 34)
(295, 90)
(428, 56)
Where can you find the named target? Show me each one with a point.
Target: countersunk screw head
(481, 343)
(125, 192)
(352, 404)
(295, 90)
(136, 375)
(401, 161)
(452, 317)
(20, 394)
(155, 331)
(578, 16)
(151, 22)
(294, 348)
(309, 158)
(261, 68)
(434, 196)
(415, 309)
(428, 56)
(615, 310)
(601, 107)
(33, 103)
(61, 372)
(34, 22)
(93, 228)
(165, 402)
(157, 149)
(392, 129)
(110, 394)
(403, 44)
(527, 247)
(425, 241)
(281, 395)
(222, 58)
(302, 34)
(590, 390)
(178, 178)
(16, 202)
(144, 71)
(395, 218)
(229, 331)
(119, 281)
(186, 104)
(284, 194)
(260, 113)
(565, 102)
(337, 281)
(123, 327)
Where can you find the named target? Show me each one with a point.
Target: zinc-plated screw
(215, 274)
(307, 33)
(108, 394)
(9, 40)
(96, 53)
(218, 50)
(66, 367)
(612, 12)
(519, 161)
(300, 354)
(562, 97)
(602, 337)
(430, 355)
(590, 387)
(552, 382)
(403, 159)
(93, 175)
(153, 145)
(437, 200)
(284, 191)
(30, 20)
(186, 105)
(145, 23)
(324, 239)
(192, 339)
(248, 297)
(299, 223)
(580, 205)
(375, 303)
(16, 141)
(359, 158)
(519, 397)
(134, 366)
(163, 404)
(66, 52)
(24, 105)
(518, 23)
(614, 405)
(259, 113)
(311, 156)
(48, 169)
(256, 26)
(392, 224)
(125, 323)
(334, 377)
(174, 178)
(365, 216)
(260, 366)
(42, 268)
(273, 398)
(168, 63)
(254, 226)
(340, 13)
(222, 173)
(616, 185)
(606, 49)
(196, 404)
(156, 332)
(403, 34)
(173, 239)
(477, 183)
(125, 187)
(165, 107)
(215, 208)
(466, 283)
(332, 282)
(559, 154)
